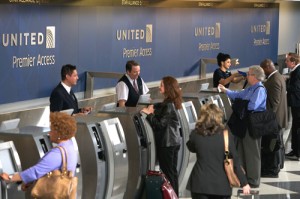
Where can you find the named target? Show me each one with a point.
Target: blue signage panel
(37, 40)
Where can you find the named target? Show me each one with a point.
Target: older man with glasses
(248, 147)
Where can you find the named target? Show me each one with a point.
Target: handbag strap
(226, 140)
(226, 144)
(64, 158)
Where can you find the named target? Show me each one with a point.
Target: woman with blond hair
(208, 179)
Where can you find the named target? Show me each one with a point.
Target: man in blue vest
(130, 86)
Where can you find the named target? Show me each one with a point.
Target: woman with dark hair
(208, 179)
(222, 75)
(165, 123)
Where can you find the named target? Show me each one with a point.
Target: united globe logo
(50, 37)
(149, 33)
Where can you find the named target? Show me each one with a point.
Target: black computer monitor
(9, 124)
(9, 158)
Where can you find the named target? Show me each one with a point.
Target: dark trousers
(250, 155)
(272, 154)
(295, 127)
(167, 159)
(205, 196)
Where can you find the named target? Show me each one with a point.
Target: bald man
(273, 155)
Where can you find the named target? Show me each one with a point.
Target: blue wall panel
(90, 38)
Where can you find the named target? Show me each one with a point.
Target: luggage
(254, 194)
(153, 186)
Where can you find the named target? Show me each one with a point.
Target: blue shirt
(51, 161)
(256, 96)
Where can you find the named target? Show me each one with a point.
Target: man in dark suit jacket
(293, 97)
(272, 160)
(276, 92)
(62, 97)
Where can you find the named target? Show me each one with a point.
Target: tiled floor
(287, 186)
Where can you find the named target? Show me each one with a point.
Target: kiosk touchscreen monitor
(190, 111)
(114, 133)
(6, 162)
(9, 158)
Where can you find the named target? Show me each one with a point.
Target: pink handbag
(168, 191)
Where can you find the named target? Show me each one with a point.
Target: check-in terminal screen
(114, 133)
(215, 101)
(191, 116)
(7, 162)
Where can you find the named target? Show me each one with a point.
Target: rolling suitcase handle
(254, 194)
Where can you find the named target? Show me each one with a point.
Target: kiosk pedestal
(140, 144)
(104, 158)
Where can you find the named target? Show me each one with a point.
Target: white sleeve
(122, 91)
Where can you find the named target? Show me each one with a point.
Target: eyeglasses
(249, 74)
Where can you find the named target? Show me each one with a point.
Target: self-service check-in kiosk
(104, 158)
(189, 112)
(32, 142)
(10, 164)
(140, 145)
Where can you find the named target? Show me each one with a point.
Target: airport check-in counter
(104, 158)
(140, 144)
(32, 143)
(10, 164)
